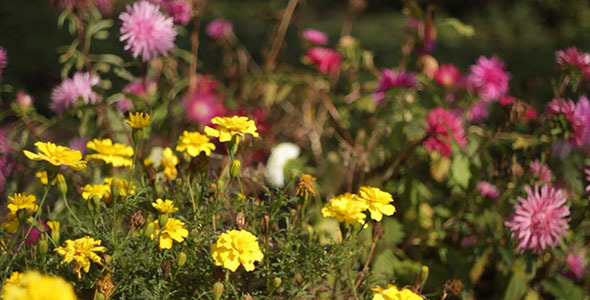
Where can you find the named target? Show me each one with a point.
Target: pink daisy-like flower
(218, 28)
(578, 115)
(572, 57)
(389, 79)
(202, 107)
(488, 190)
(24, 100)
(441, 122)
(325, 60)
(315, 36)
(540, 220)
(541, 171)
(447, 75)
(479, 112)
(576, 263)
(146, 31)
(490, 78)
(3, 60)
(68, 92)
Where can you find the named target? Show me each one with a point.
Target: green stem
(70, 209)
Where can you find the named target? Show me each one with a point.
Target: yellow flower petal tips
(173, 231)
(377, 202)
(194, 143)
(347, 208)
(119, 155)
(33, 285)
(228, 127)
(57, 155)
(82, 251)
(235, 248)
(393, 293)
(138, 120)
(164, 207)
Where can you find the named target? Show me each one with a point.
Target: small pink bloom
(479, 112)
(541, 171)
(206, 84)
(140, 88)
(325, 60)
(507, 100)
(488, 190)
(572, 57)
(146, 31)
(531, 114)
(79, 144)
(24, 100)
(578, 115)
(469, 240)
(218, 28)
(490, 78)
(441, 122)
(540, 220)
(576, 264)
(447, 75)
(105, 6)
(180, 11)
(202, 107)
(68, 92)
(315, 36)
(389, 79)
(3, 60)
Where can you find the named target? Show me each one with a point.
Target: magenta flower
(572, 57)
(540, 220)
(447, 75)
(587, 171)
(315, 36)
(531, 114)
(389, 79)
(488, 190)
(325, 60)
(507, 100)
(146, 31)
(24, 100)
(68, 92)
(479, 112)
(3, 60)
(202, 107)
(541, 171)
(576, 264)
(441, 122)
(490, 78)
(206, 84)
(180, 11)
(140, 88)
(218, 28)
(105, 6)
(578, 115)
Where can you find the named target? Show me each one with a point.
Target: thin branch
(278, 41)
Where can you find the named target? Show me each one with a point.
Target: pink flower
(3, 60)
(540, 220)
(531, 114)
(218, 28)
(488, 190)
(441, 122)
(315, 36)
(389, 79)
(105, 6)
(478, 111)
(447, 75)
(146, 31)
(68, 92)
(325, 60)
(206, 84)
(24, 100)
(180, 11)
(79, 144)
(140, 88)
(202, 107)
(507, 100)
(490, 78)
(576, 264)
(572, 57)
(578, 115)
(587, 171)
(541, 171)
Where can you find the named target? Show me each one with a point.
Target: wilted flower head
(572, 57)
(218, 28)
(441, 122)
(541, 171)
(540, 220)
(202, 107)
(68, 92)
(389, 79)
(488, 190)
(324, 59)
(315, 36)
(146, 31)
(447, 75)
(3, 60)
(275, 165)
(489, 78)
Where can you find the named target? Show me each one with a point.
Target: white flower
(279, 156)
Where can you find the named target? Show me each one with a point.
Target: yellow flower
(173, 230)
(127, 188)
(22, 201)
(169, 161)
(377, 202)
(11, 224)
(44, 178)
(306, 186)
(53, 225)
(228, 127)
(82, 251)
(57, 155)
(236, 247)
(99, 190)
(164, 207)
(119, 155)
(138, 120)
(194, 143)
(347, 208)
(393, 293)
(33, 285)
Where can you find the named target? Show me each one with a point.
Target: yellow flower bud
(217, 290)
(277, 282)
(162, 220)
(43, 246)
(116, 188)
(235, 168)
(61, 184)
(181, 259)
(149, 229)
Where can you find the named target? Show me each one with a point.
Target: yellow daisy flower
(99, 190)
(22, 201)
(393, 293)
(57, 155)
(33, 285)
(194, 143)
(82, 251)
(169, 161)
(119, 155)
(377, 202)
(11, 225)
(164, 207)
(173, 231)
(138, 120)
(228, 127)
(347, 208)
(236, 247)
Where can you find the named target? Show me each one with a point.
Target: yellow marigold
(236, 247)
(194, 143)
(377, 202)
(393, 293)
(138, 120)
(173, 231)
(119, 155)
(228, 127)
(347, 208)
(169, 161)
(99, 190)
(82, 251)
(57, 155)
(11, 224)
(22, 201)
(33, 285)
(164, 207)
(127, 188)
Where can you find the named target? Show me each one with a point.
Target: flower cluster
(349, 208)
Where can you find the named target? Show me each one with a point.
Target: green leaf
(394, 231)
(460, 173)
(516, 287)
(563, 288)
